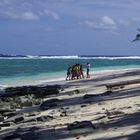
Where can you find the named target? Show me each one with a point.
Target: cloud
(52, 14)
(105, 22)
(14, 9)
(21, 15)
(26, 10)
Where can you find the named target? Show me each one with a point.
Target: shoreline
(61, 80)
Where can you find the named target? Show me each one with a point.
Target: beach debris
(80, 125)
(49, 104)
(107, 93)
(114, 114)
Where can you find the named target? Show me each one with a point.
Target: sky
(69, 27)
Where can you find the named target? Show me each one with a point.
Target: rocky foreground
(78, 109)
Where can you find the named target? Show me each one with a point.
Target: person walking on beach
(69, 73)
(88, 69)
(81, 72)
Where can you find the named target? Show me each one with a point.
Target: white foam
(111, 57)
(71, 57)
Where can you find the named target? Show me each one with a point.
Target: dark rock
(6, 124)
(49, 104)
(83, 106)
(33, 114)
(107, 93)
(19, 119)
(29, 90)
(50, 117)
(89, 96)
(1, 118)
(77, 91)
(29, 120)
(9, 114)
(79, 125)
(47, 92)
(63, 113)
(44, 118)
(16, 119)
(4, 110)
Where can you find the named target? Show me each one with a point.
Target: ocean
(18, 71)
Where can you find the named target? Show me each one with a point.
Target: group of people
(76, 72)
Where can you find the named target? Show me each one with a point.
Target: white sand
(115, 116)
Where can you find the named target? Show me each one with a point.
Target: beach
(83, 109)
(69, 70)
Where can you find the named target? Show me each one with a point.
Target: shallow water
(35, 70)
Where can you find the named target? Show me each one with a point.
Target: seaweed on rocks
(38, 91)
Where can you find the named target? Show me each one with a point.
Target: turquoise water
(22, 71)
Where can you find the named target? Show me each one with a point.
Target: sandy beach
(83, 109)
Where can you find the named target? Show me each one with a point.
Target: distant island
(5, 55)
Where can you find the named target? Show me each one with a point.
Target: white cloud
(29, 16)
(21, 15)
(52, 14)
(108, 21)
(105, 22)
(15, 9)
